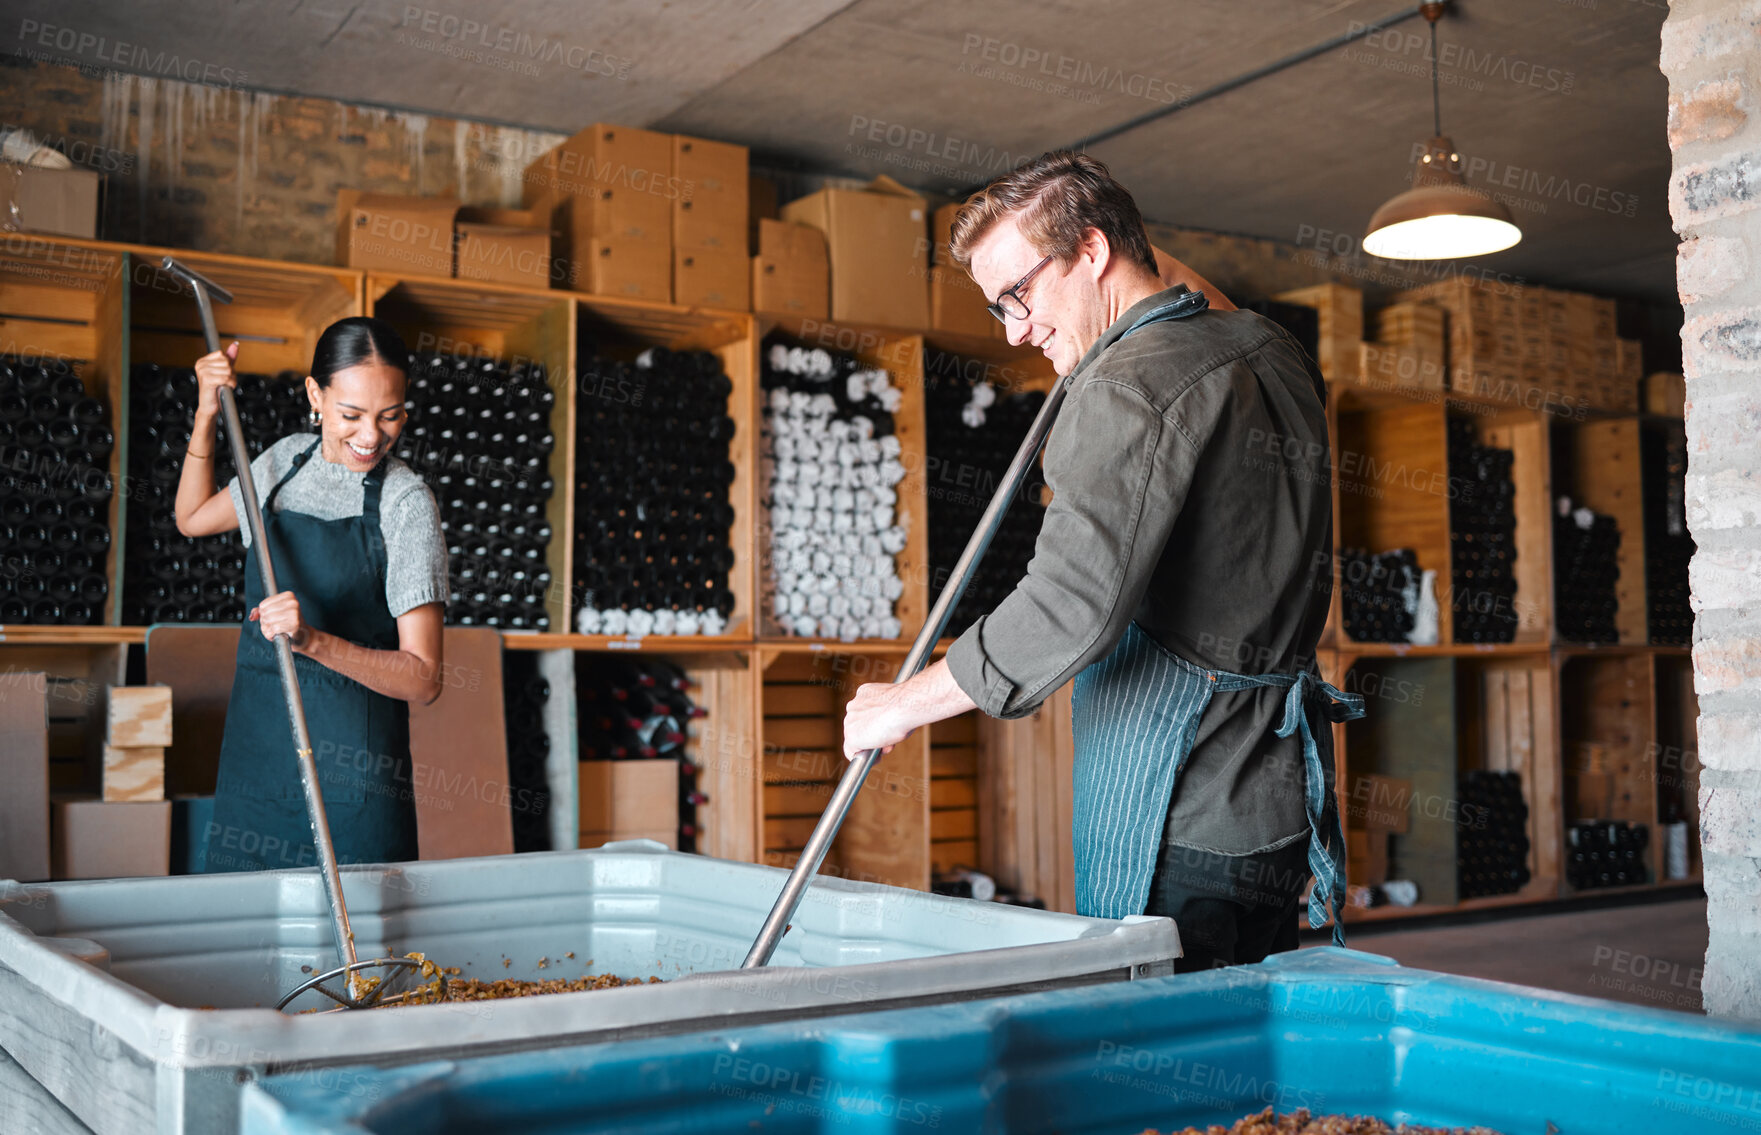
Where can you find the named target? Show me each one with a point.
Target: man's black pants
(1230, 909)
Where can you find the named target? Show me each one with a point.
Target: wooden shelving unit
(994, 795)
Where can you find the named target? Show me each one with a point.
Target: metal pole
(290, 685)
(820, 842)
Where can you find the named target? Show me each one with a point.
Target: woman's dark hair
(356, 340)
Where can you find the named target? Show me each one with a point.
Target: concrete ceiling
(1559, 106)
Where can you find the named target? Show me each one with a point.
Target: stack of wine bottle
(1606, 853)
(1379, 593)
(479, 434)
(640, 710)
(972, 437)
(831, 470)
(1586, 545)
(169, 577)
(55, 443)
(524, 693)
(1668, 546)
(1482, 536)
(652, 514)
(1492, 840)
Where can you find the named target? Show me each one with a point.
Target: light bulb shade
(1440, 218)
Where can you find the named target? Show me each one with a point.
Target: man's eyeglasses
(1010, 305)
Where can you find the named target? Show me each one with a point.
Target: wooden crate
(1505, 722)
(1341, 326)
(1598, 465)
(513, 324)
(901, 355)
(953, 794)
(1607, 715)
(1391, 488)
(70, 302)
(1525, 434)
(622, 329)
(628, 800)
(887, 835)
(278, 312)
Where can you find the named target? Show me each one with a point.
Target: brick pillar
(1712, 57)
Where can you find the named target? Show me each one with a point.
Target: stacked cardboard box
(609, 192)
(790, 275)
(1533, 346)
(126, 832)
(137, 731)
(879, 257)
(629, 799)
(1339, 352)
(710, 217)
(1405, 349)
(436, 236)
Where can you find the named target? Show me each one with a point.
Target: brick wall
(1712, 57)
(220, 169)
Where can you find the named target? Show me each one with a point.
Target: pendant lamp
(1440, 217)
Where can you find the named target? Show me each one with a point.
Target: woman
(356, 543)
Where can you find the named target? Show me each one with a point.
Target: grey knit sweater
(415, 548)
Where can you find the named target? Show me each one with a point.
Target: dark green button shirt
(1190, 481)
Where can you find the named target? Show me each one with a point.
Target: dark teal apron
(360, 739)
(1134, 717)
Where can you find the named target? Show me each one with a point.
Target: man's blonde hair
(1057, 197)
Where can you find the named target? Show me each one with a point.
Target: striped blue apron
(1134, 717)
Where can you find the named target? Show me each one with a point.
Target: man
(1182, 578)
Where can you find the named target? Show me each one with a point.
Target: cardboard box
(790, 274)
(1666, 393)
(504, 246)
(134, 775)
(712, 210)
(610, 183)
(956, 304)
(1386, 366)
(137, 716)
(390, 233)
(24, 770)
(1342, 326)
(632, 796)
(761, 205)
(94, 839)
(877, 249)
(628, 269)
(712, 277)
(63, 202)
(1379, 803)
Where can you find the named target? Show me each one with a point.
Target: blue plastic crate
(1335, 1031)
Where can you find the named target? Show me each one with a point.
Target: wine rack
(972, 435)
(169, 577)
(1482, 537)
(54, 491)
(479, 433)
(654, 516)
